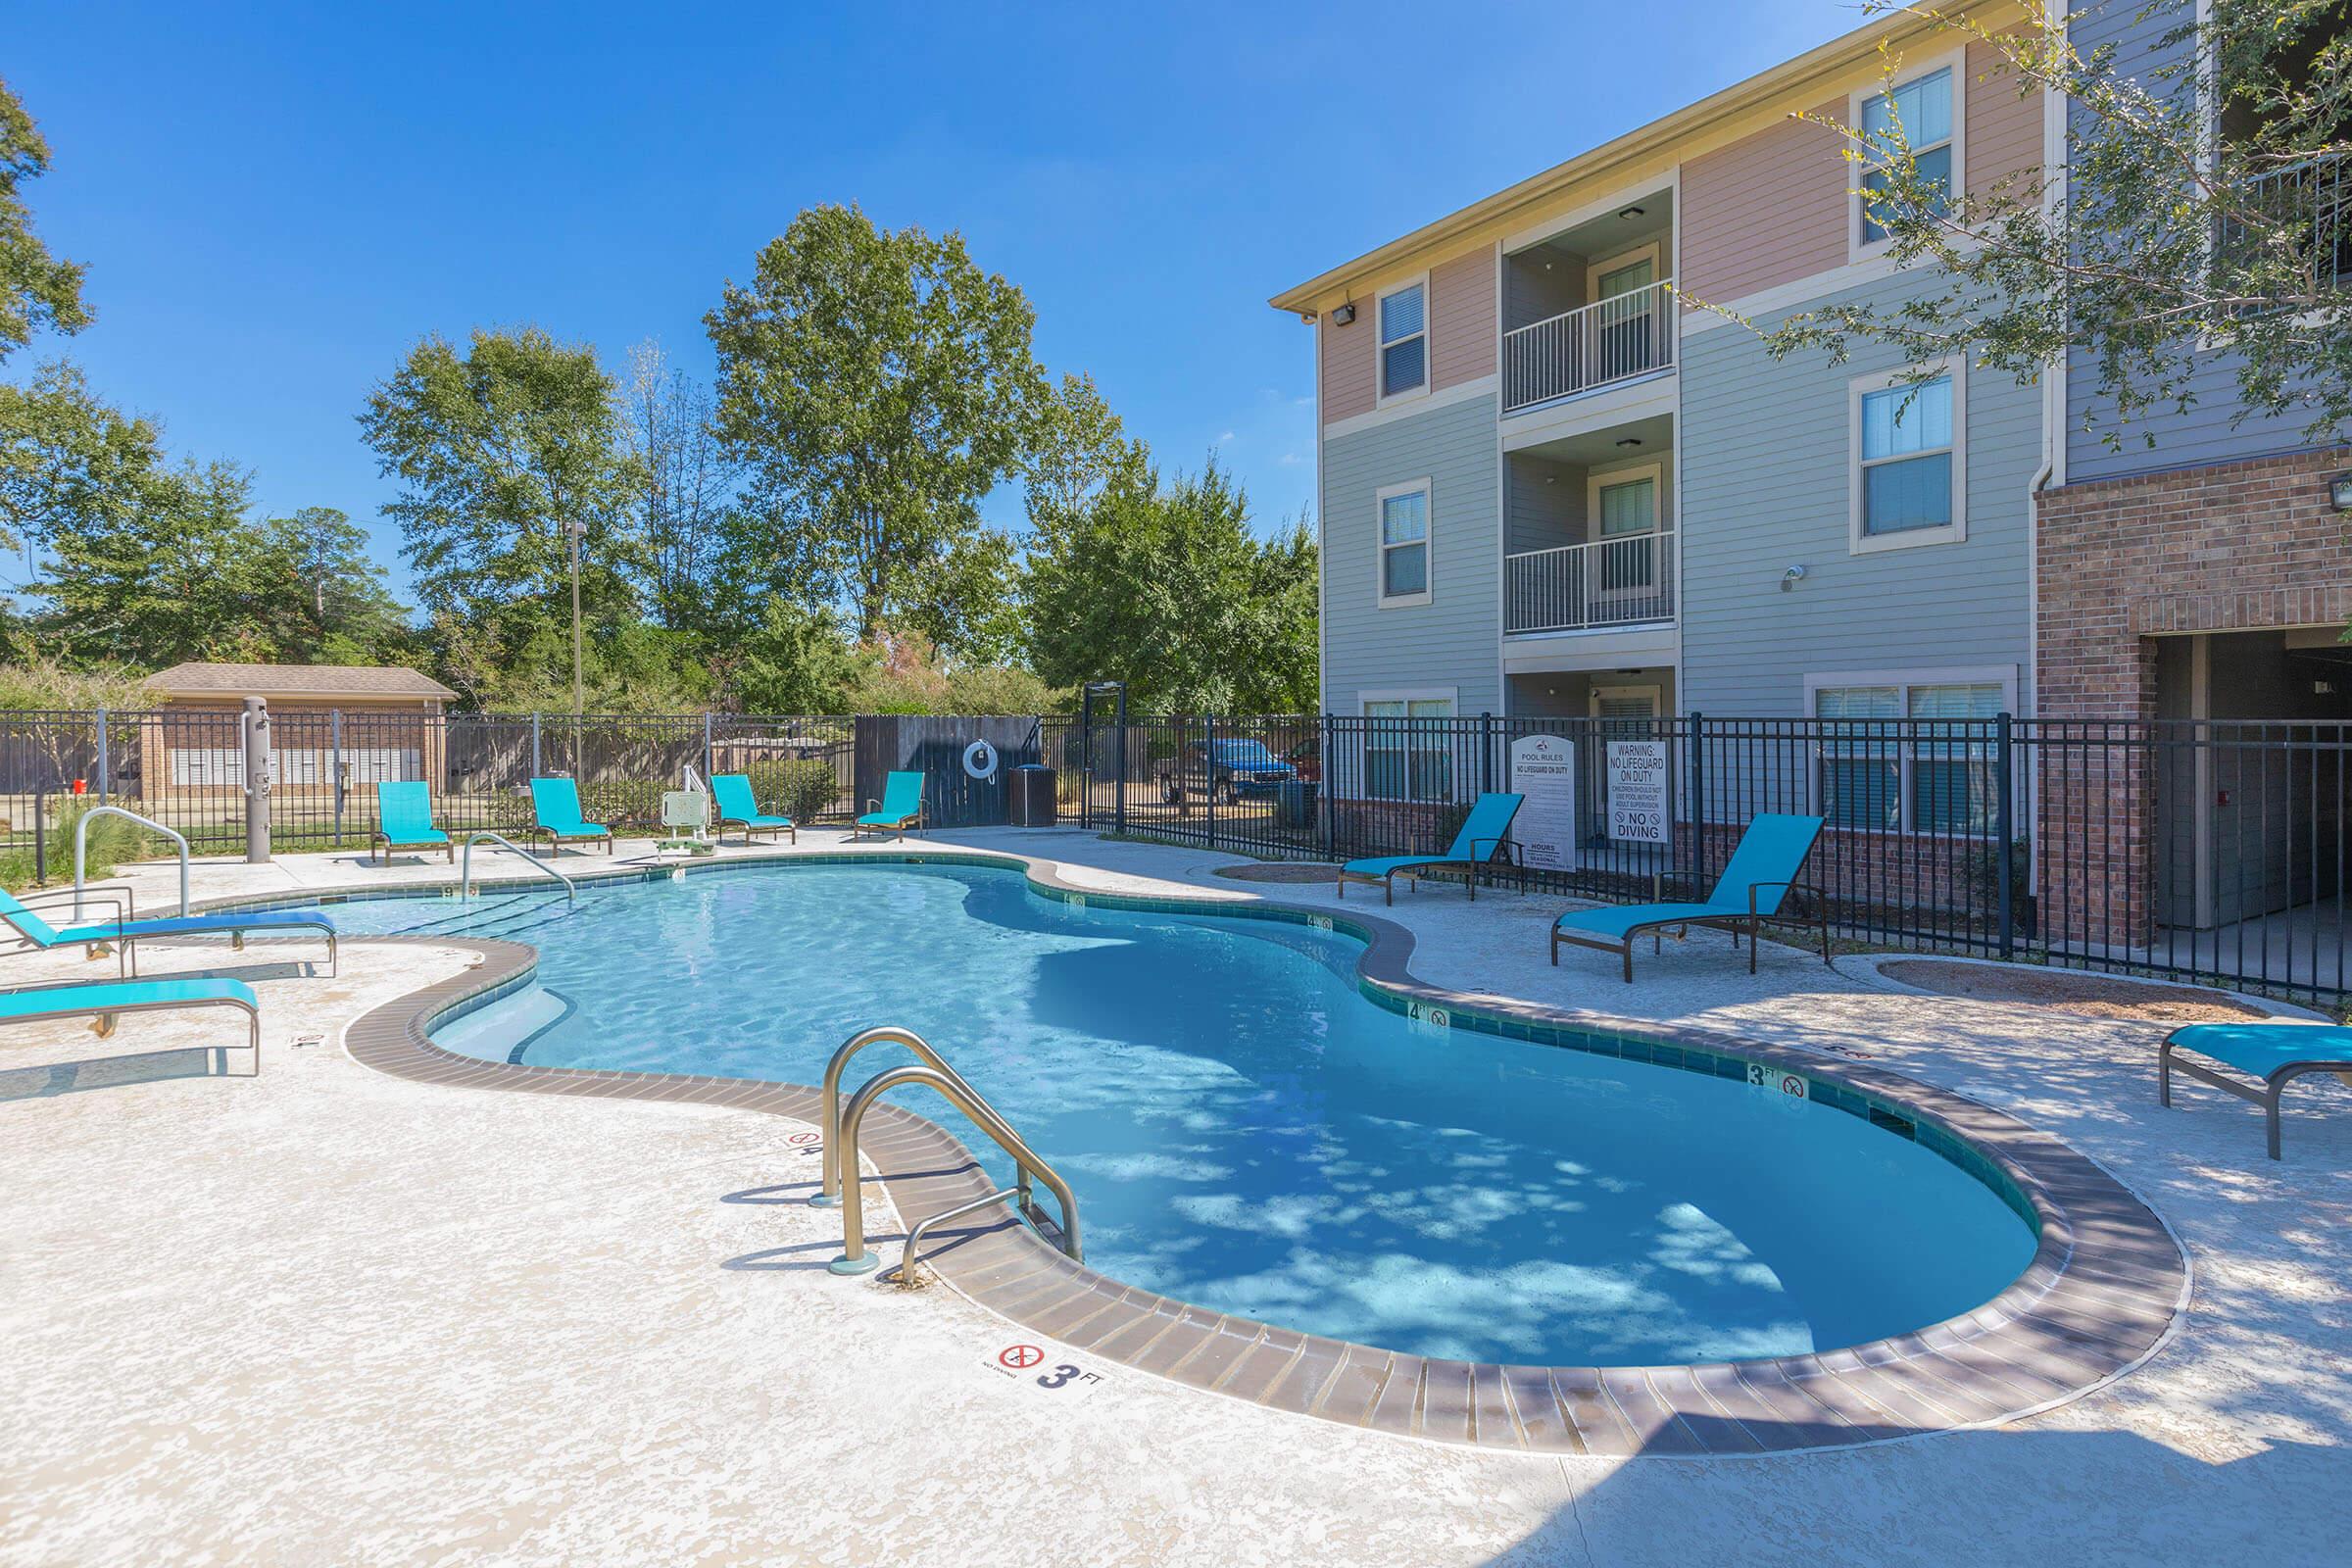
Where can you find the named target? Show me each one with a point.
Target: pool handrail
(855, 1259)
(572, 890)
(829, 1192)
(81, 842)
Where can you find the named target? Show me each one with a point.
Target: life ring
(980, 761)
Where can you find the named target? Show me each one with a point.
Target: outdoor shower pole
(257, 781)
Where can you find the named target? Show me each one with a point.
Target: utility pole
(577, 529)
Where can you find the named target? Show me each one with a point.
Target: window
(1909, 467)
(1405, 544)
(1917, 115)
(1625, 505)
(1408, 751)
(1405, 341)
(1881, 773)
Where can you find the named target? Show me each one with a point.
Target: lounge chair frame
(1387, 880)
(125, 943)
(771, 829)
(873, 807)
(105, 1019)
(389, 846)
(2266, 1095)
(1732, 920)
(556, 838)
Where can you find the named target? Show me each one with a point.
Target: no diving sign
(1029, 1366)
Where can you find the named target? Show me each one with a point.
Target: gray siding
(1454, 640)
(1765, 471)
(1544, 514)
(2205, 432)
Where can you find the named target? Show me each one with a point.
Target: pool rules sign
(1638, 791)
(1543, 770)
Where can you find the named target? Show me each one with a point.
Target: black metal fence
(2202, 851)
(2207, 852)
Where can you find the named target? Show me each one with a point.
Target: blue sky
(275, 203)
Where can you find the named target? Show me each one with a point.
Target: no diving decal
(1791, 1085)
(1031, 1367)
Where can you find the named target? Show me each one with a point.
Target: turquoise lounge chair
(109, 1001)
(2272, 1054)
(556, 813)
(1762, 871)
(1486, 829)
(733, 794)
(404, 820)
(126, 932)
(900, 806)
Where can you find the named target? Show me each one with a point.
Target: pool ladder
(843, 1124)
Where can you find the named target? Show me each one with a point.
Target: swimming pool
(1247, 1131)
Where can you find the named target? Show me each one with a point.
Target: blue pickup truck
(1230, 769)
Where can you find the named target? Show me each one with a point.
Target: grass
(112, 842)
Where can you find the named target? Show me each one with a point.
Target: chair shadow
(87, 1074)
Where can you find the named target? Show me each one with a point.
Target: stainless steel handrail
(828, 1194)
(81, 842)
(855, 1259)
(923, 1228)
(465, 865)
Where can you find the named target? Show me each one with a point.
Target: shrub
(112, 842)
(804, 790)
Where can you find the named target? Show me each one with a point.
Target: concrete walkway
(326, 1316)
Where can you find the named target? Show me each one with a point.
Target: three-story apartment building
(1554, 483)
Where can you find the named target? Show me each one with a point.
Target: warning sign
(1638, 791)
(1028, 1366)
(1020, 1357)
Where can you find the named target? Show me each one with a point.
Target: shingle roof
(295, 680)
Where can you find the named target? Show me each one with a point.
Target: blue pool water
(1247, 1131)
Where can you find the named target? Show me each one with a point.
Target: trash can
(1294, 802)
(1031, 802)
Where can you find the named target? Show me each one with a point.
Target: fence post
(1119, 811)
(536, 770)
(1209, 746)
(334, 746)
(707, 764)
(40, 834)
(1698, 804)
(1330, 825)
(1486, 758)
(105, 764)
(2004, 829)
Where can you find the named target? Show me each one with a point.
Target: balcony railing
(2314, 198)
(1593, 345)
(1609, 582)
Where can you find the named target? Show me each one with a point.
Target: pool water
(1247, 1131)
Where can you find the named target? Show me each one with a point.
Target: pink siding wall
(1461, 319)
(2004, 130)
(1767, 210)
(1348, 354)
(1461, 337)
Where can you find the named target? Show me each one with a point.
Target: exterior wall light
(1792, 577)
(1341, 315)
(2339, 492)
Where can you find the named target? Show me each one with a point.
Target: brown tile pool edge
(2100, 1296)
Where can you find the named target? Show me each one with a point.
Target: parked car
(1238, 767)
(1307, 758)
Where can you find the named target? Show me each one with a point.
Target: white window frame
(1905, 682)
(1955, 61)
(1382, 599)
(1382, 397)
(1648, 249)
(1409, 694)
(1955, 532)
(1599, 479)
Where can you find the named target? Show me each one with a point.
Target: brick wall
(2233, 547)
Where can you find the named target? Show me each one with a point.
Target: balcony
(2311, 201)
(1594, 346)
(1609, 582)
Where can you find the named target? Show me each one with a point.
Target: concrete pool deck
(328, 1315)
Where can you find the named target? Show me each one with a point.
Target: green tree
(684, 494)
(36, 289)
(499, 450)
(877, 384)
(186, 576)
(1169, 590)
(2159, 245)
(1078, 448)
(68, 459)
(340, 611)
